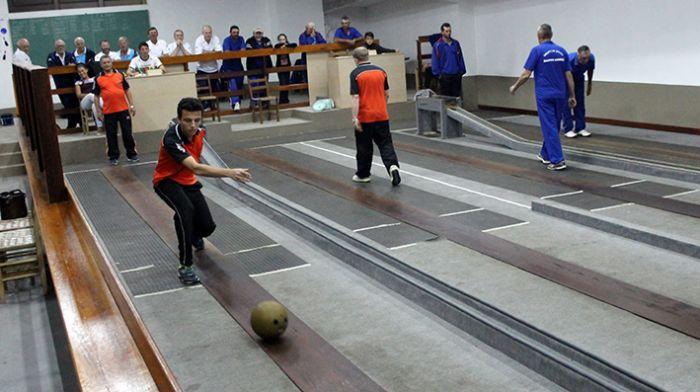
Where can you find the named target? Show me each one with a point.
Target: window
(43, 5)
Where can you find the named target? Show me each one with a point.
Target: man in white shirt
(208, 43)
(179, 47)
(157, 47)
(21, 55)
(140, 64)
(105, 48)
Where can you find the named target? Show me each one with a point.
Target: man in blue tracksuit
(582, 62)
(234, 42)
(553, 83)
(448, 63)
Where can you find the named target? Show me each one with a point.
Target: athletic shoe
(571, 134)
(114, 162)
(198, 243)
(187, 275)
(237, 106)
(584, 133)
(544, 161)
(133, 159)
(395, 176)
(355, 178)
(556, 166)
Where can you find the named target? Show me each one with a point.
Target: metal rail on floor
(553, 358)
(453, 117)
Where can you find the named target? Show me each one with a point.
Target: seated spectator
(345, 34)
(370, 44)
(178, 47)
(283, 61)
(58, 58)
(309, 37)
(125, 52)
(21, 55)
(84, 55)
(157, 47)
(234, 42)
(105, 50)
(83, 90)
(140, 64)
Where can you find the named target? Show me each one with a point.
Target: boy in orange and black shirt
(368, 86)
(117, 108)
(175, 181)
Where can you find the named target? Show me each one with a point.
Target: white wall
(641, 41)
(7, 98)
(273, 16)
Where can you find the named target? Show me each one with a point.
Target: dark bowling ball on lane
(269, 320)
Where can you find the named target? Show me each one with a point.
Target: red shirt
(111, 87)
(370, 83)
(175, 148)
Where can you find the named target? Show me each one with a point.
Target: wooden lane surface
(105, 355)
(618, 193)
(310, 362)
(666, 311)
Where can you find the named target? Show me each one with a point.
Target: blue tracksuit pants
(550, 111)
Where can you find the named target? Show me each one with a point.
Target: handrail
(228, 55)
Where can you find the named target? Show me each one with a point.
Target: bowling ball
(269, 320)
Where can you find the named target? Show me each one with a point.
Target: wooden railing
(185, 60)
(110, 346)
(420, 56)
(35, 107)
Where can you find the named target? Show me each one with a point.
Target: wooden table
(156, 98)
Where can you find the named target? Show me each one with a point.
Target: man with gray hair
(83, 54)
(369, 89)
(553, 83)
(21, 55)
(179, 47)
(59, 58)
(208, 43)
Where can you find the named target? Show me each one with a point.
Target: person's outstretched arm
(200, 169)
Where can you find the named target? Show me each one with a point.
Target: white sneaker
(571, 134)
(355, 178)
(584, 133)
(544, 161)
(237, 106)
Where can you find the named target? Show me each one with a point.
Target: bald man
(21, 55)
(58, 58)
(208, 43)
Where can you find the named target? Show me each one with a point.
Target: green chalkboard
(42, 32)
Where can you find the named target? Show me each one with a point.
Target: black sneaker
(198, 243)
(134, 159)
(187, 275)
(556, 166)
(114, 162)
(395, 176)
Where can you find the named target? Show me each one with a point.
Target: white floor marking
(681, 194)
(376, 227)
(145, 267)
(199, 286)
(627, 183)
(425, 178)
(560, 195)
(279, 270)
(403, 246)
(290, 143)
(253, 249)
(611, 207)
(461, 212)
(505, 227)
(107, 166)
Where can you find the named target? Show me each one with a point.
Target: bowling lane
(401, 347)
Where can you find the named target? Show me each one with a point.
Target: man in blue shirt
(448, 63)
(553, 83)
(234, 42)
(346, 34)
(581, 63)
